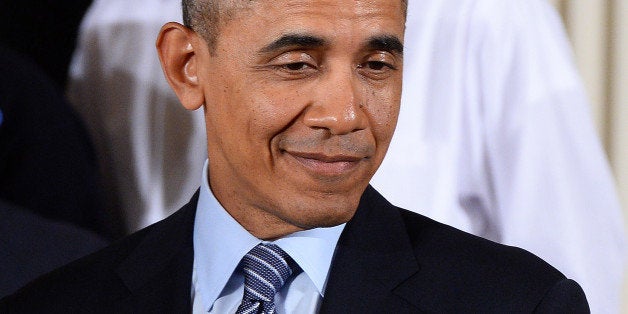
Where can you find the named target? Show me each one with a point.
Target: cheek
(275, 110)
(227, 114)
(383, 110)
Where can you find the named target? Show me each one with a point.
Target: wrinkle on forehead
(360, 8)
(363, 8)
(335, 18)
(344, 13)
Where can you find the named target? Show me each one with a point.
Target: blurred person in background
(51, 209)
(147, 145)
(44, 31)
(32, 245)
(495, 138)
(47, 162)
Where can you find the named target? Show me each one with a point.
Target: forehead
(341, 8)
(331, 18)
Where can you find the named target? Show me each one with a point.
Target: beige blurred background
(598, 30)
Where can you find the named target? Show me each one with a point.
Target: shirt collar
(215, 262)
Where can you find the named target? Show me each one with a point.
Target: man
(301, 100)
(441, 162)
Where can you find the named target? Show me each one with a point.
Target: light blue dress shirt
(220, 242)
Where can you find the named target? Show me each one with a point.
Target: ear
(176, 46)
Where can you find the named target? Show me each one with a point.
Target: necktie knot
(266, 268)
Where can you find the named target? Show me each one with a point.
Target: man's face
(301, 100)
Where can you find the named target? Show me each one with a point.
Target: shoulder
(391, 258)
(444, 247)
(485, 274)
(433, 240)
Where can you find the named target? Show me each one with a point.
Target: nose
(338, 106)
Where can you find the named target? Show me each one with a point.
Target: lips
(325, 165)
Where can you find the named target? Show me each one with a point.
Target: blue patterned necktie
(266, 268)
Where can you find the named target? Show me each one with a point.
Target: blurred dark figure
(31, 246)
(44, 30)
(47, 163)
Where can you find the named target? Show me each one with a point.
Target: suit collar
(373, 259)
(158, 272)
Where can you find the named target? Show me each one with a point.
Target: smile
(324, 165)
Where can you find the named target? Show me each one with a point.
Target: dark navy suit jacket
(388, 260)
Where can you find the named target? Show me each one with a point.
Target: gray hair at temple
(206, 16)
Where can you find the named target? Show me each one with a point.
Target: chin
(318, 208)
(326, 216)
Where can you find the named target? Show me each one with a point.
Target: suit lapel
(159, 271)
(373, 258)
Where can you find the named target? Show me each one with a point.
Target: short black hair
(202, 16)
(205, 16)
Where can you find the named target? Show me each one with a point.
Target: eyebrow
(294, 40)
(386, 43)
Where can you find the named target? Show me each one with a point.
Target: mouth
(326, 165)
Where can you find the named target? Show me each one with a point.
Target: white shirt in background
(495, 138)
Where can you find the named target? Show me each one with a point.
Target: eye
(377, 65)
(297, 66)
(293, 65)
